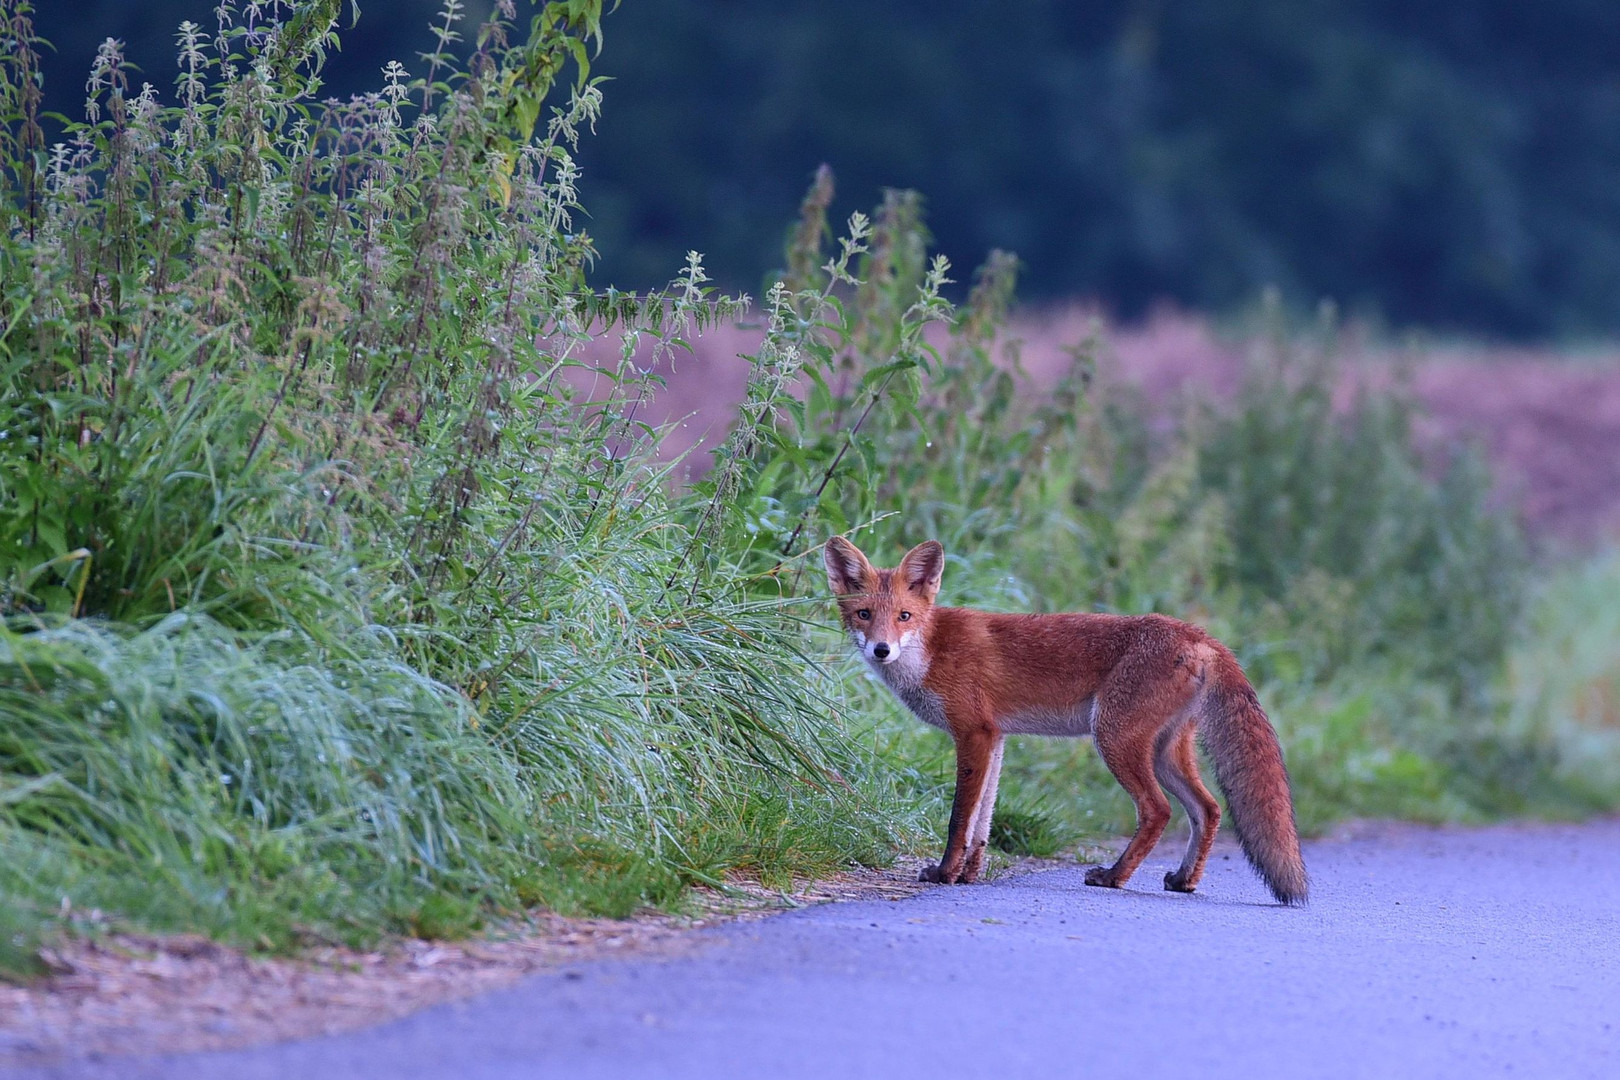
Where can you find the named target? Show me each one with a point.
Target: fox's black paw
(929, 873)
(1102, 877)
(1174, 882)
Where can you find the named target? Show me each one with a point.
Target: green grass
(183, 778)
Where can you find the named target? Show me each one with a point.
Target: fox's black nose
(880, 650)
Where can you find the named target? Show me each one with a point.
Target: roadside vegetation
(332, 608)
(1383, 599)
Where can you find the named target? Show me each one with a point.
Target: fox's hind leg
(1128, 753)
(1132, 717)
(1176, 765)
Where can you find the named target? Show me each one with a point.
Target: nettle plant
(877, 405)
(246, 327)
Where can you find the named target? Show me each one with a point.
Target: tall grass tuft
(182, 776)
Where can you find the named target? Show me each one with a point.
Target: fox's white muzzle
(881, 652)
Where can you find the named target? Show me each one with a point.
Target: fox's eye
(905, 616)
(863, 614)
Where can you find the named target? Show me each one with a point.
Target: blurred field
(1548, 418)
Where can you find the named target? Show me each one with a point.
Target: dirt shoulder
(123, 993)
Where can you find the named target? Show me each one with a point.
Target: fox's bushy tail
(1249, 765)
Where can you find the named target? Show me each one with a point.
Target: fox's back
(1039, 673)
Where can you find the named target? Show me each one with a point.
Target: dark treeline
(1454, 165)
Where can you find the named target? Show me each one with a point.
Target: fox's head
(885, 611)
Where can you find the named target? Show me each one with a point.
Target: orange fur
(1140, 685)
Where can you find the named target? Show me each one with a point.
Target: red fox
(1138, 684)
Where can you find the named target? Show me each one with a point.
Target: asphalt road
(1423, 953)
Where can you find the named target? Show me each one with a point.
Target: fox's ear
(923, 566)
(847, 569)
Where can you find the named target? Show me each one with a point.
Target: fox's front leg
(979, 831)
(974, 751)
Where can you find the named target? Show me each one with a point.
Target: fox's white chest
(904, 677)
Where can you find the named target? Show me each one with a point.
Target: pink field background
(1549, 420)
